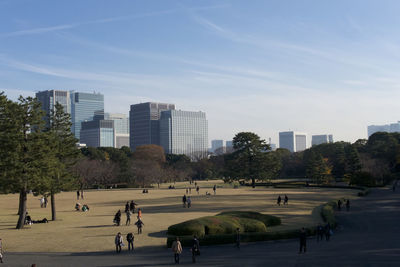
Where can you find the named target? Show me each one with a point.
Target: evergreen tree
(63, 153)
(23, 149)
(250, 160)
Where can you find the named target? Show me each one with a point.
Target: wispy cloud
(67, 26)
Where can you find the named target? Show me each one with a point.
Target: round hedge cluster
(225, 223)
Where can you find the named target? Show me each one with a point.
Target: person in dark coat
(77, 194)
(278, 201)
(328, 232)
(237, 237)
(184, 201)
(348, 204)
(139, 225)
(195, 248)
(320, 232)
(127, 207)
(117, 218)
(303, 240)
(132, 207)
(286, 200)
(339, 204)
(130, 238)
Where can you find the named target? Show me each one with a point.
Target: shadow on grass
(160, 234)
(97, 226)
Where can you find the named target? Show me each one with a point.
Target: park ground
(368, 235)
(94, 231)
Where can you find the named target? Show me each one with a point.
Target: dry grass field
(94, 230)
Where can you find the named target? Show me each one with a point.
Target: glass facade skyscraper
(144, 124)
(121, 126)
(49, 98)
(98, 133)
(293, 141)
(83, 108)
(184, 132)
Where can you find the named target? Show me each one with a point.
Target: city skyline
(263, 67)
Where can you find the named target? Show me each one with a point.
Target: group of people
(79, 206)
(177, 249)
(119, 241)
(324, 231)
(187, 201)
(285, 200)
(129, 210)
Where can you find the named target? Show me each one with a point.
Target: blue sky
(262, 66)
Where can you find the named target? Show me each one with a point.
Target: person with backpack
(177, 249)
(195, 248)
(130, 238)
(118, 242)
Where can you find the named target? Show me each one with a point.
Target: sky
(319, 67)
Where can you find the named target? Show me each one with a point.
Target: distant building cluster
(177, 131)
(296, 142)
(390, 128)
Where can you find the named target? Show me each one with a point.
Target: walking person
(139, 214)
(128, 217)
(82, 194)
(177, 249)
(303, 240)
(339, 205)
(198, 189)
(77, 195)
(286, 200)
(237, 237)
(195, 248)
(328, 232)
(1, 251)
(190, 190)
(118, 242)
(127, 208)
(132, 207)
(320, 232)
(189, 202)
(348, 205)
(184, 201)
(41, 202)
(45, 201)
(130, 238)
(278, 201)
(139, 225)
(215, 189)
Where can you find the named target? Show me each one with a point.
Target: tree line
(38, 154)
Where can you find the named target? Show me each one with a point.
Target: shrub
(225, 223)
(362, 179)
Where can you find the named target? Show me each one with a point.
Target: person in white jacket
(118, 242)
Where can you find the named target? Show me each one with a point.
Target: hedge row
(326, 212)
(225, 223)
(186, 241)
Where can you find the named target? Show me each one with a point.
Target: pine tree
(23, 148)
(63, 153)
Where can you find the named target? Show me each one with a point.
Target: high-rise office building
(390, 128)
(144, 124)
(229, 144)
(98, 133)
(184, 132)
(216, 144)
(49, 98)
(121, 126)
(293, 141)
(84, 106)
(321, 139)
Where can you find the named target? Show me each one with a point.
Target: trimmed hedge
(225, 223)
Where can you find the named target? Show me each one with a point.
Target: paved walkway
(369, 235)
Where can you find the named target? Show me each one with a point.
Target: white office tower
(293, 141)
(321, 139)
